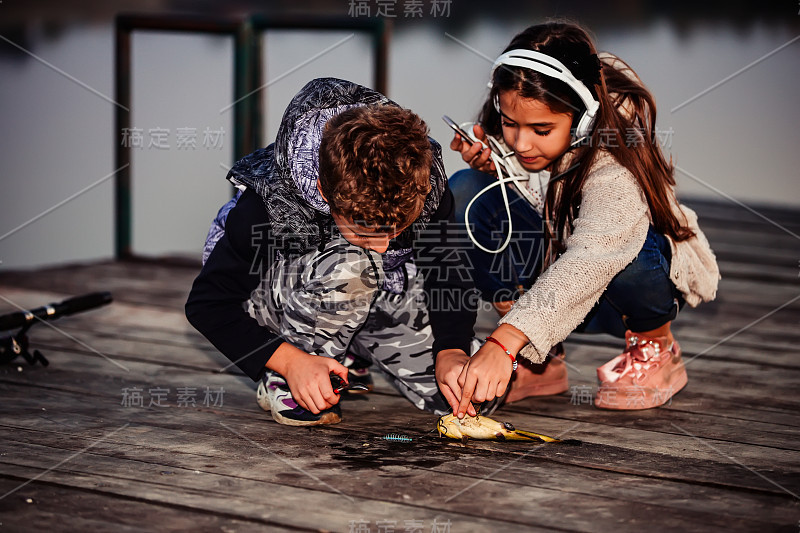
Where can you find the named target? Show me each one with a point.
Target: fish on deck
(484, 428)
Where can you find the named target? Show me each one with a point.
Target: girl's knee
(466, 183)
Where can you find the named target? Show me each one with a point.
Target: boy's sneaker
(273, 395)
(647, 374)
(358, 373)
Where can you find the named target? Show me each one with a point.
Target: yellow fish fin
(528, 435)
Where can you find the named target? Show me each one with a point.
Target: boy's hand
(309, 379)
(308, 376)
(485, 376)
(476, 156)
(449, 364)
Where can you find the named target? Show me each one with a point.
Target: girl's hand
(308, 377)
(484, 377)
(449, 364)
(477, 155)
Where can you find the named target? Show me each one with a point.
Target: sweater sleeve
(608, 234)
(450, 294)
(215, 306)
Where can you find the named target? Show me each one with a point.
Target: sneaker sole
(362, 377)
(642, 398)
(262, 398)
(327, 418)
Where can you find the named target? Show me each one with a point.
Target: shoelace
(640, 355)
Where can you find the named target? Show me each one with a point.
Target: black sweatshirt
(216, 303)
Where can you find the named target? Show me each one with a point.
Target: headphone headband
(550, 66)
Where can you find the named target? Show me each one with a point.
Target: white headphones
(549, 66)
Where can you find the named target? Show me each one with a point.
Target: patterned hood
(285, 173)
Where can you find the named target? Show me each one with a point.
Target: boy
(337, 247)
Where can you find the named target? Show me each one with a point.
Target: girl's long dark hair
(624, 126)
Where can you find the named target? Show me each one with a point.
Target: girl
(594, 197)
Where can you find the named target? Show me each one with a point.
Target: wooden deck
(79, 453)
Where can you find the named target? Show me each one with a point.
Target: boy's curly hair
(375, 165)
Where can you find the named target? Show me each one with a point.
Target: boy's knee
(346, 272)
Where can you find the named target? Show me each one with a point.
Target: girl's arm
(488, 372)
(609, 232)
(608, 235)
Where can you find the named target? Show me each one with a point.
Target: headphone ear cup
(584, 127)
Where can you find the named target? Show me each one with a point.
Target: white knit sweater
(608, 234)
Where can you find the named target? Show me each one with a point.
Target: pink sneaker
(646, 375)
(540, 380)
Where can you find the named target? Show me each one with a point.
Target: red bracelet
(497, 342)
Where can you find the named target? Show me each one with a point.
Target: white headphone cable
(500, 163)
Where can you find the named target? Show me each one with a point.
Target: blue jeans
(640, 298)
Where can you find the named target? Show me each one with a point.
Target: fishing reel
(16, 345)
(13, 346)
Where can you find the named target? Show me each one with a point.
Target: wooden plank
(737, 349)
(363, 463)
(720, 380)
(717, 380)
(738, 216)
(721, 376)
(428, 483)
(93, 510)
(143, 283)
(769, 342)
(254, 500)
(123, 316)
(160, 416)
(201, 356)
(710, 399)
(657, 435)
